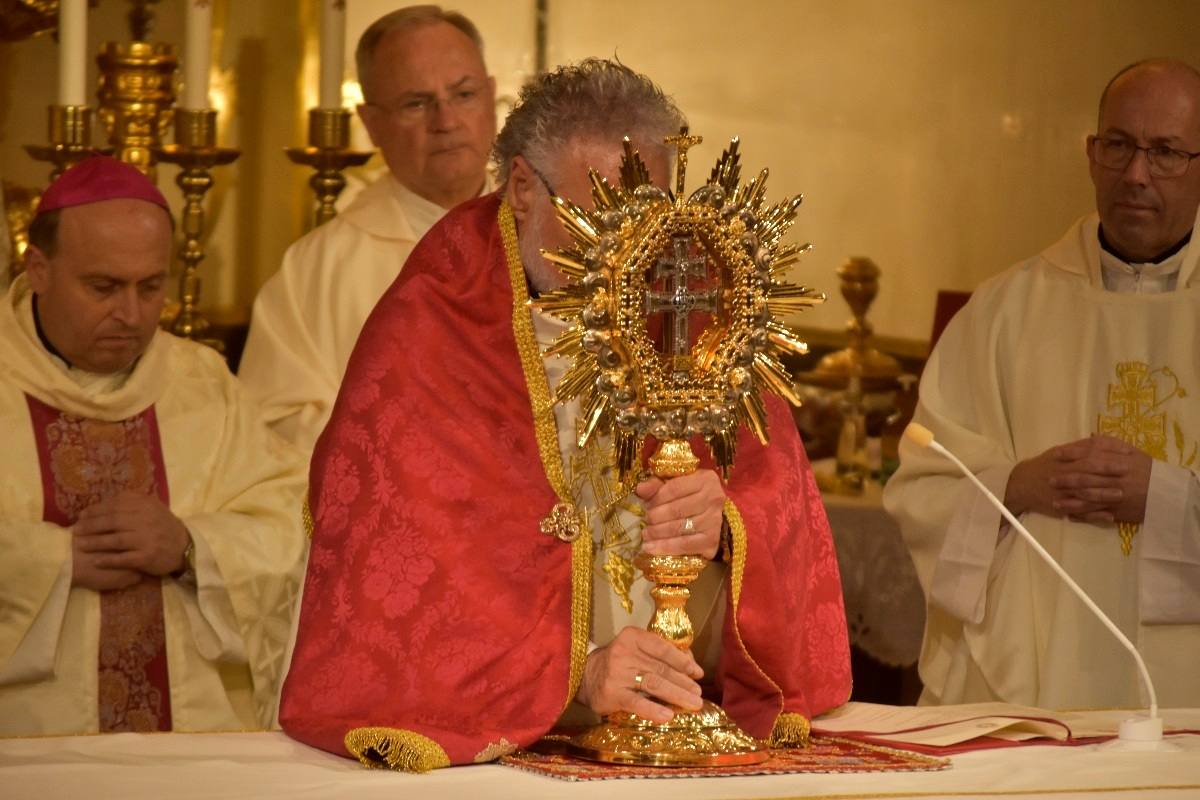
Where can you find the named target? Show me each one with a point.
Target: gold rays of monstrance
(676, 307)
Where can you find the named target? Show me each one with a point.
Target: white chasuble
(236, 486)
(307, 317)
(1043, 355)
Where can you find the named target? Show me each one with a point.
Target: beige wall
(942, 138)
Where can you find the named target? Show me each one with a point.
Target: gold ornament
(710, 261)
(137, 94)
(712, 258)
(563, 522)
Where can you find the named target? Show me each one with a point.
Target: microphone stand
(1135, 733)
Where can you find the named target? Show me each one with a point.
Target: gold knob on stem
(671, 576)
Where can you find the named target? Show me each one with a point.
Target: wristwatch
(189, 560)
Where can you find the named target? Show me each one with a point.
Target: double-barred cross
(1136, 397)
(678, 300)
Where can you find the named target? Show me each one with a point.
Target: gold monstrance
(705, 273)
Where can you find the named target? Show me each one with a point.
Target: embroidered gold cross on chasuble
(1135, 403)
(593, 473)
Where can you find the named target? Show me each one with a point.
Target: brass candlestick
(196, 153)
(852, 467)
(137, 92)
(879, 371)
(329, 153)
(70, 135)
(703, 738)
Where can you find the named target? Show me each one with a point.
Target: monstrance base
(704, 738)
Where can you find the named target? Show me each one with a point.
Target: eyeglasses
(1116, 153)
(415, 108)
(541, 177)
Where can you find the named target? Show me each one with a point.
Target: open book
(966, 727)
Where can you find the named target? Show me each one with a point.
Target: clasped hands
(1098, 480)
(117, 540)
(640, 672)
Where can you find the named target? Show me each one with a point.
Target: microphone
(1135, 733)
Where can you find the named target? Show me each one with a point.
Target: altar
(270, 765)
(885, 607)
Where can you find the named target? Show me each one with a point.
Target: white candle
(72, 52)
(197, 54)
(333, 43)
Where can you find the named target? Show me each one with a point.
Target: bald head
(1147, 187)
(1156, 69)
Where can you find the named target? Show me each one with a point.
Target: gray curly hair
(597, 99)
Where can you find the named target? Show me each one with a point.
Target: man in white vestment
(1068, 385)
(151, 543)
(429, 108)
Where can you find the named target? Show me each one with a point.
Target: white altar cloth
(254, 766)
(885, 607)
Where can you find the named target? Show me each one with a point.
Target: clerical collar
(41, 334)
(1158, 259)
(422, 214)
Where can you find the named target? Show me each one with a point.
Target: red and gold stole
(83, 462)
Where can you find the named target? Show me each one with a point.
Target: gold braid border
(396, 749)
(307, 517)
(790, 729)
(546, 429)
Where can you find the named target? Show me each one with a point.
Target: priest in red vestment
(439, 624)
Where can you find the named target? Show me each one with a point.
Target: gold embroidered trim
(306, 516)
(395, 749)
(495, 750)
(1126, 531)
(1138, 398)
(590, 468)
(546, 430)
(581, 609)
(737, 531)
(791, 730)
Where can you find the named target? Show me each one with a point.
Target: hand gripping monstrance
(676, 307)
